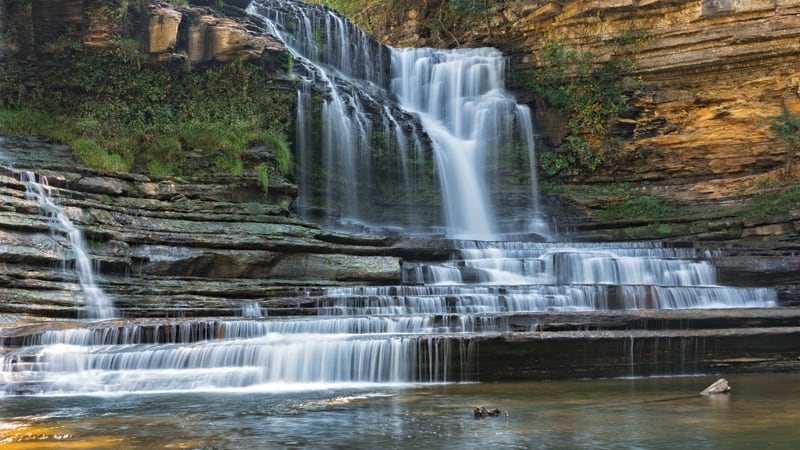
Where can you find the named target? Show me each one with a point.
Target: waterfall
(421, 330)
(458, 98)
(343, 110)
(461, 100)
(97, 304)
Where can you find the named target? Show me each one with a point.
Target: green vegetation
(590, 95)
(622, 201)
(120, 112)
(474, 6)
(263, 176)
(772, 201)
(787, 128)
(347, 8)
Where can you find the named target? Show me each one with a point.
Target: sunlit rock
(218, 39)
(161, 30)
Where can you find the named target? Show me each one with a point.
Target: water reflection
(657, 413)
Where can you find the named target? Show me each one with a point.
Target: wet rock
(482, 411)
(720, 386)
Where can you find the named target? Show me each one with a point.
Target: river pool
(762, 411)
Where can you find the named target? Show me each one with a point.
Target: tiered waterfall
(363, 108)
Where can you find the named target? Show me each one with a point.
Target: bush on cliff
(120, 112)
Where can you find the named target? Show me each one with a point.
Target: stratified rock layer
(167, 247)
(712, 72)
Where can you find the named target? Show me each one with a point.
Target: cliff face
(156, 28)
(711, 73)
(199, 246)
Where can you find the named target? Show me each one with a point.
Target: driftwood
(718, 387)
(482, 411)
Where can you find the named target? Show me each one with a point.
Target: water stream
(97, 305)
(370, 339)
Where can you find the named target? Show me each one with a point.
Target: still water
(763, 411)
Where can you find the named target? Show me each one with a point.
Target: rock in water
(718, 387)
(482, 411)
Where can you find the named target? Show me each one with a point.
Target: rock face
(171, 247)
(210, 38)
(711, 73)
(202, 32)
(161, 29)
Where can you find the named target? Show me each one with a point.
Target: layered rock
(712, 72)
(46, 26)
(167, 247)
(209, 38)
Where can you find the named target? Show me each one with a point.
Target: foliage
(787, 127)
(591, 95)
(629, 204)
(347, 8)
(263, 176)
(644, 208)
(774, 201)
(120, 112)
(94, 155)
(474, 6)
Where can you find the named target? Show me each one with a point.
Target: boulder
(718, 387)
(216, 39)
(160, 32)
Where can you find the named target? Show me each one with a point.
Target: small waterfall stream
(418, 331)
(97, 304)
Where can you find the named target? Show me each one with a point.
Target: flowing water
(456, 99)
(374, 367)
(97, 304)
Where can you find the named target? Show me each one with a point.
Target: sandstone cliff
(711, 72)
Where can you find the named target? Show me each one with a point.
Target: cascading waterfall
(343, 74)
(458, 97)
(421, 330)
(461, 100)
(97, 304)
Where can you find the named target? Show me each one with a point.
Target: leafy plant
(787, 127)
(120, 112)
(591, 96)
(263, 176)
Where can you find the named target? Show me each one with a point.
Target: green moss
(94, 155)
(773, 201)
(263, 176)
(643, 208)
(122, 114)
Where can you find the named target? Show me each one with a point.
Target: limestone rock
(161, 29)
(720, 386)
(337, 267)
(219, 39)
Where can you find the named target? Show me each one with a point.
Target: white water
(97, 304)
(347, 69)
(461, 100)
(381, 334)
(458, 97)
